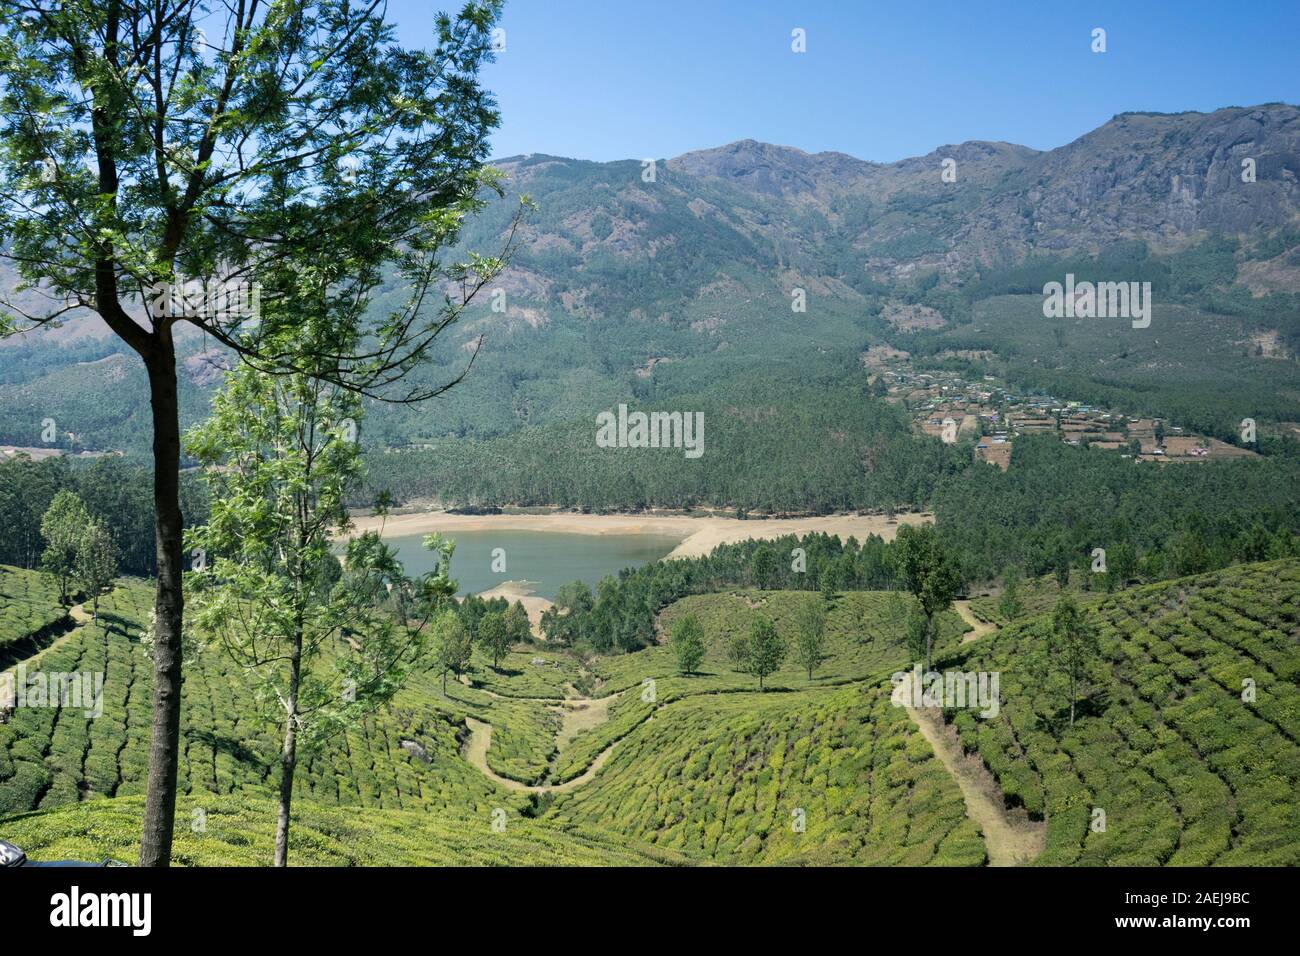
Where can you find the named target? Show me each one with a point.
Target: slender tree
(96, 563)
(810, 634)
(453, 645)
(62, 527)
(929, 574)
(766, 649)
(494, 635)
(738, 651)
(319, 643)
(517, 623)
(1072, 644)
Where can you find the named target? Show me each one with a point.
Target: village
(992, 414)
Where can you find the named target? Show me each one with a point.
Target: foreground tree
(687, 640)
(319, 644)
(140, 151)
(62, 527)
(96, 563)
(928, 573)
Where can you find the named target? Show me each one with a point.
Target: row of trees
(116, 492)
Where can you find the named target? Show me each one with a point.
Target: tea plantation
(1186, 748)
(1190, 742)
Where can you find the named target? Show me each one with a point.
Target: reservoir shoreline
(697, 535)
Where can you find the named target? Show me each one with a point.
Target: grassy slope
(1187, 772)
(726, 778)
(240, 831)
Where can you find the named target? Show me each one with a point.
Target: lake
(545, 559)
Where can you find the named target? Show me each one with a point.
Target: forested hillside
(745, 281)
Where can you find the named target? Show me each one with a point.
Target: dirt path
(1010, 837)
(579, 715)
(967, 615)
(78, 614)
(480, 739)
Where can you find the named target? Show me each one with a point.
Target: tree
(96, 563)
(766, 649)
(62, 527)
(164, 154)
(810, 631)
(563, 620)
(453, 646)
(1071, 644)
(1009, 604)
(763, 567)
(687, 640)
(928, 573)
(738, 652)
(318, 642)
(494, 635)
(517, 623)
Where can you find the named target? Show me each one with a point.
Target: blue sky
(630, 79)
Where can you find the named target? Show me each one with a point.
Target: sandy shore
(698, 536)
(522, 592)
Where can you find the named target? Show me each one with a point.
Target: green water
(545, 559)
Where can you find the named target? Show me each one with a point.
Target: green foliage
(62, 527)
(453, 648)
(810, 634)
(1009, 604)
(687, 641)
(928, 572)
(95, 566)
(494, 635)
(1188, 741)
(766, 649)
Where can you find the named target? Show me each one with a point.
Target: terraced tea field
(657, 767)
(839, 777)
(1188, 767)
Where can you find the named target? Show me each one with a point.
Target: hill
(644, 764)
(1189, 740)
(676, 292)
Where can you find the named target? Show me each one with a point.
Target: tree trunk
(288, 757)
(164, 738)
(1071, 698)
(929, 632)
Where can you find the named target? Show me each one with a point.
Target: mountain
(680, 280)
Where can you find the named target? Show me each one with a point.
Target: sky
(636, 79)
